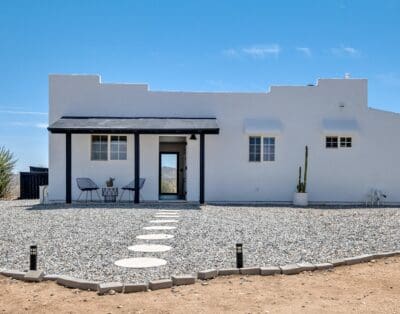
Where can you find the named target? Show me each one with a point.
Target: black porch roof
(143, 125)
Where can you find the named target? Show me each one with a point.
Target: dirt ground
(367, 288)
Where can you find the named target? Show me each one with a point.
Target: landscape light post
(33, 257)
(239, 255)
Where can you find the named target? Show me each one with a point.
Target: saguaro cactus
(301, 186)
(305, 169)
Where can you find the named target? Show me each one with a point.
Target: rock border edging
(118, 287)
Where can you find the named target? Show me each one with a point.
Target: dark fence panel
(38, 169)
(30, 182)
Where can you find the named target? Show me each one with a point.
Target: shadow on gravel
(157, 206)
(311, 206)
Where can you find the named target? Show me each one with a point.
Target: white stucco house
(222, 147)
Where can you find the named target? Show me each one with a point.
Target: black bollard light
(239, 255)
(33, 257)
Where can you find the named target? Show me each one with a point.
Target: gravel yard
(85, 241)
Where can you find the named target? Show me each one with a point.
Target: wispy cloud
(24, 112)
(255, 51)
(41, 125)
(304, 50)
(262, 51)
(345, 51)
(230, 52)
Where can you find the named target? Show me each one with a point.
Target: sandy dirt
(366, 288)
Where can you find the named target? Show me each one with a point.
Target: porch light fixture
(193, 137)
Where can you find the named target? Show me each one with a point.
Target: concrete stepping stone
(159, 228)
(149, 248)
(164, 213)
(163, 221)
(141, 262)
(154, 236)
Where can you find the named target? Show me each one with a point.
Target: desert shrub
(7, 163)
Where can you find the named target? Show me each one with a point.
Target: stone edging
(118, 287)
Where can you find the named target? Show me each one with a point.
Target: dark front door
(169, 165)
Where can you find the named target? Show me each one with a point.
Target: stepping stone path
(141, 262)
(159, 228)
(148, 248)
(154, 236)
(145, 262)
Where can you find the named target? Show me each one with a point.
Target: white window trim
(261, 149)
(119, 135)
(338, 141)
(91, 147)
(108, 147)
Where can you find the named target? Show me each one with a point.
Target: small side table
(109, 194)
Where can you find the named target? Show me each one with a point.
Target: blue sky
(187, 45)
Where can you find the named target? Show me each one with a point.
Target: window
(266, 150)
(118, 148)
(335, 142)
(331, 142)
(99, 147)
(345, 142)
(269, 149)
(254, 148)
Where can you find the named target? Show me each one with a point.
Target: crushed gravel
(84, 241)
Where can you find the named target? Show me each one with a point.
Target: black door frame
(177, 173)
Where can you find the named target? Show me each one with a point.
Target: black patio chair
(88, 186)
(130, 187)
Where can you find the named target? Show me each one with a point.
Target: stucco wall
(335, 175)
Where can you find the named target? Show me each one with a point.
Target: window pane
(118, 147)
(114, 155)
(331, 142)
(99, 149)
(95, 156)
(103, 156)
(114, 147)
(254, 148)
(345, 141)
(96, 147)
(122, 147)
(269, 148)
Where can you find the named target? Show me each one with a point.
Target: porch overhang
(137, 126)
(140, 125)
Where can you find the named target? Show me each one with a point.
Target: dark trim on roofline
(133, 131)
(119, 117)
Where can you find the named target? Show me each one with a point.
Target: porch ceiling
(142, 125)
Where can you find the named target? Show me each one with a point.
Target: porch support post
(137, 167)
(201, 168)
(68, 180)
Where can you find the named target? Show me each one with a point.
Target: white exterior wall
(82, 166)
(335, 175)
